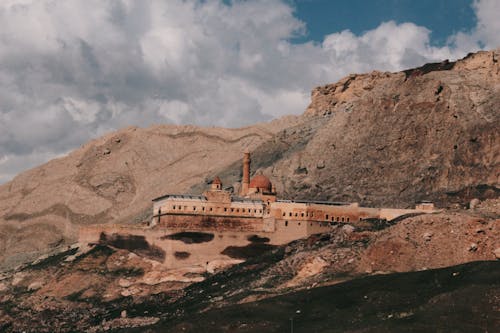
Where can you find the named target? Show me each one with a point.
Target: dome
(217, 181)
(261, 182)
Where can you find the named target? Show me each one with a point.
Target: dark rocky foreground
(464, 298)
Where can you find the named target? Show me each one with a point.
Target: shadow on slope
(462, 298)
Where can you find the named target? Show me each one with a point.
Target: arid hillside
(378, 138)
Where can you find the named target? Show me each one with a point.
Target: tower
(216, 184)
(246, 174)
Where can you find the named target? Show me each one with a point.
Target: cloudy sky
(71, 70)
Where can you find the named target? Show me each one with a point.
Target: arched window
(342, 219)
(347, 219)
(284, 214)
(326, 217)
(286, 223)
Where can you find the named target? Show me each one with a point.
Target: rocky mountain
(378, 138)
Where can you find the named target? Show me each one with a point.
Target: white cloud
(74, 69)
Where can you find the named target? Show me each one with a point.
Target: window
(312, 214)
(284, 213)
(299, 223)
(338, 219)
(342, 219)
(225, 209)
(326, 217)
(260, 210)
(286, 223)
(290, 214)
(360, 218)
(249, 210)
(194, 207)
(210, 208)
(237, 210)
(255, 210)
(203, 208)
(347, 219)
(296, 214)
(174, 207)
(302, 214)
(232, 209)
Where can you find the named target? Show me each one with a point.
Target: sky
(72, 70)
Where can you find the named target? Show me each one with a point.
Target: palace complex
(257, 209)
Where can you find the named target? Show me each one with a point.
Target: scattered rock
(320, 165)
(474, 203)
(497, 253)
(427, 236)
(472, 247)
(35, 286)
(348, 228)
(107, 151)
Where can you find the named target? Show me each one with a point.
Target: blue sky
(72, 70)
(442, 17)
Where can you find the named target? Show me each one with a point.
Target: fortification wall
(212, 223)
(180, 248)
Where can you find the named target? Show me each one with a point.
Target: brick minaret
(246, 174)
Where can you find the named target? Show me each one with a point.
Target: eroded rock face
(395, 138)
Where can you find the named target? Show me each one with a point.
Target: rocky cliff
(378, 138)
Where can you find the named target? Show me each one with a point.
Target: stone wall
(210, 222)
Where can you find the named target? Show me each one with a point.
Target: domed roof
(260, 182)
(217, 181)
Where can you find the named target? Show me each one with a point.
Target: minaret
(245, 182)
